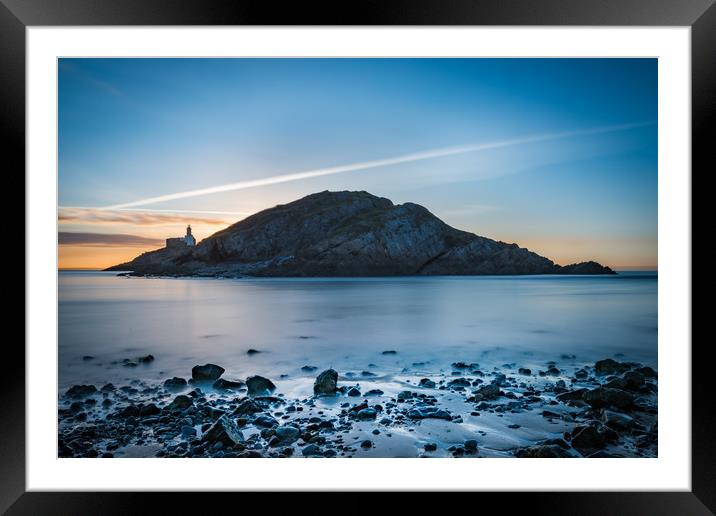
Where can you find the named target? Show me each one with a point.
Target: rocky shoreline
(608, 409)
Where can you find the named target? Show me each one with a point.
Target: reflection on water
(346, 323)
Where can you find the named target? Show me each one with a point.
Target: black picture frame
(17, 15)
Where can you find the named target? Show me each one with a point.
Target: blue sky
(132, 129)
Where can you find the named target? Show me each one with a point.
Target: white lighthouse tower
(189, 238)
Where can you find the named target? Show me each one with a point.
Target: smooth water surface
(347, 323)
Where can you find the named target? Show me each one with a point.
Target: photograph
(383, 257)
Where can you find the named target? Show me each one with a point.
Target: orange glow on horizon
(84, 257)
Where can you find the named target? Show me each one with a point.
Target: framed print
(437, 249)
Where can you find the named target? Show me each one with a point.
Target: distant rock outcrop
(347, 234)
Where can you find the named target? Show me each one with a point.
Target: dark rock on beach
(610, 366)
(78, 391)
(259, 386)
(587, 440)
(224, 431)
(608, 397)
(326, 383)
(175, 383)
(227, 385)
(181, 402)
(207, 372)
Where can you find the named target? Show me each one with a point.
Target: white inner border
(671, 470)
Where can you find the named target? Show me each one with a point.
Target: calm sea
(347, 323)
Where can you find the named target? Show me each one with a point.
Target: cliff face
(347, 234)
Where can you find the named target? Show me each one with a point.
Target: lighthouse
(189, 238)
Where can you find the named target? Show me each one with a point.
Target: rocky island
(346, 234)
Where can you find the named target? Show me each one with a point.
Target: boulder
(615, 419)
(572, 395)
(227, 385)
(149, 410)
(79, 391)
(610, 366)
(247, 406)
(181, 402)
(265, 421)
(206, 372)
(633, 380)
(366, 414)
(325, 383)
(488, 392)
(225, 431)
(427, 383)
(287, 434)
(424, 412)
(259, 386)
(175, 383)
(587, 440)
(608, 397)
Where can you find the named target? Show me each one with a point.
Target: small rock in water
(426, 383)
(259, 386)
(146, 359)
(389, 352)
(525, 371)
(308, 368)
(353, 392)
(430, 447)
(610, 366)
(265, 421)
(470, 445)
(87, 357)
(227, 385)
(175, 383)
(374, 392)
(325, 383)
(488, 392)
(429, 413)
(206, 372)
(78, 391)
(582, 374)
(366, 414)
(366, 444)
(252, 351)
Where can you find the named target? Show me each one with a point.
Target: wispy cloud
(144, 216)
(106, 240)
(406, 158)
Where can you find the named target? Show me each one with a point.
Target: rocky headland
(346, 234)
